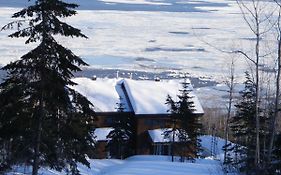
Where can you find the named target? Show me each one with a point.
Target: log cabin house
(144, 100)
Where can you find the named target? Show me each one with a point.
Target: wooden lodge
(144, 101)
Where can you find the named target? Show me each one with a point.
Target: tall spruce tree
(121, 138)
(243, 127)
(186, 124)
(42, 120)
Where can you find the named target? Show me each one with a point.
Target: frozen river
(148, 35)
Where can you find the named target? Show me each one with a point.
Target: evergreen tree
(276, 161)
(243, 128)
(186, 125)
(121, 138)
(43, 120)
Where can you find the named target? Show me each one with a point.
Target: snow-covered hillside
(159, 165)
(148, 165)
(147, 34)
(144, 165)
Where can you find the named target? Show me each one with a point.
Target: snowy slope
(146, 165)
(159, 165)
(142, 165)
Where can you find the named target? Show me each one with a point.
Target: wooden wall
(145, 123)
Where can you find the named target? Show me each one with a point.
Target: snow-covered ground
(149, 165)
(144, 165)
(159, 165)
(153, 35)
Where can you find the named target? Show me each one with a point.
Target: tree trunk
(37, 143)
(231, 86)
(173, 142)
(257, 151)
(277, 94)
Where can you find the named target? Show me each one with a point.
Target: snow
(145, 96)
(145, 165)
(141, 165)
(101, 133)
(121, 31)
(101, 93)
(157, 165)
(157, 135)
(170, 33)
(136, 2)
(206, 142)
(149, 97)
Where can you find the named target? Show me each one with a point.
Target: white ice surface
(136, 2)
(169, 39)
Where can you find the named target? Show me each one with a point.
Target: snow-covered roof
(138, 96)
(149, 97)
(101, 133)
(158, 135)
(101, 92)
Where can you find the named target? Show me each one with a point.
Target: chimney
(94, 78)
(156, 79)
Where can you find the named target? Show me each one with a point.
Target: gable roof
(149, 97)
(101, 93)
(138, 96)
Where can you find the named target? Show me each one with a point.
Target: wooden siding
(145, 123)
(143, 143)
(100, 150)
(106, 119)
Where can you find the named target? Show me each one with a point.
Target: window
(162, 149)
(155, 122)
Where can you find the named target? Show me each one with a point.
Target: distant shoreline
(147, 5)
(136, 75)
(141, 75)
